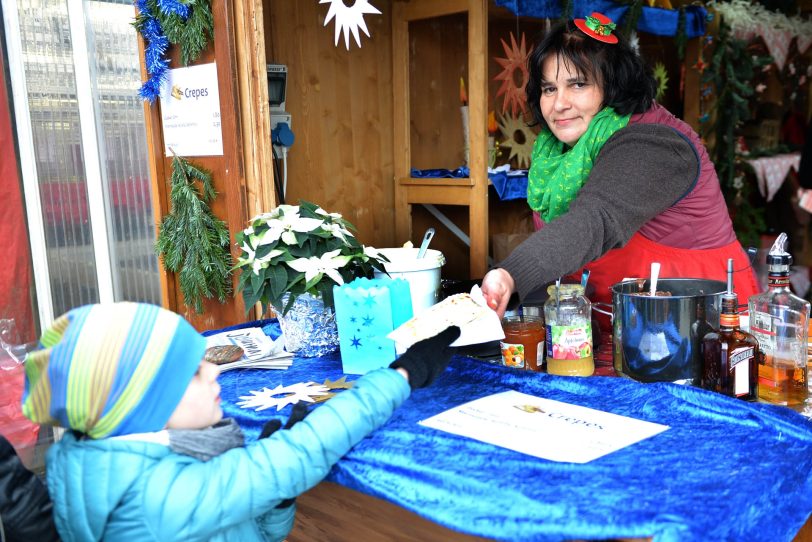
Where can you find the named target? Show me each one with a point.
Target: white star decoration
(349, 18)
(282, 396)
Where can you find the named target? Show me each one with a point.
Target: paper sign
(190, 112)
(542, 427)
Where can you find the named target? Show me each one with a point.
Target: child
(146, 458)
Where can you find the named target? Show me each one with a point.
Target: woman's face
(200, 405)
(568, 101)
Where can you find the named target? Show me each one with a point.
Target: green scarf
(556, 176)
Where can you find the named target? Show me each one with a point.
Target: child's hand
(426, 359)
(296, 415)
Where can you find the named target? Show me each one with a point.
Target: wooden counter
(332, 513)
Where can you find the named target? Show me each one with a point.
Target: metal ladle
(425, 244)
(655, 274)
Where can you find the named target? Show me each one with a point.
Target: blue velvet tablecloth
(725, 470)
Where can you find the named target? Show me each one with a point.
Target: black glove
(296, 415)
(426, 359)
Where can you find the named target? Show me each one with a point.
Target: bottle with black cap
(730, 355)
(779, 320)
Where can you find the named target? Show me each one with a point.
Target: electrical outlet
(277, 117)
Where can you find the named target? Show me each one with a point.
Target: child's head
(121, 368)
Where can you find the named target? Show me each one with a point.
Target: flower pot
(309, 328)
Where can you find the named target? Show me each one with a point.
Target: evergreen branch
(192, 241)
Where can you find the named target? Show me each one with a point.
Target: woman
(617, 182)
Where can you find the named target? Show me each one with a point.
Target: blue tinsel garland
(156, 44)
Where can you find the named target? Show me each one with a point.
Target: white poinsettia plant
(296, 249)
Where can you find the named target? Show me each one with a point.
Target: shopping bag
(367, 310)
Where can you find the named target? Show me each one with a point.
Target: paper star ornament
(519, 138)
(348, 19)
(282, 396)
(515, 61)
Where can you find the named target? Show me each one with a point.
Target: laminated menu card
(543, 428)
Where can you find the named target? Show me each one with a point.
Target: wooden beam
(415, 11)
(478, 135)
(253, 103)
(401, 119)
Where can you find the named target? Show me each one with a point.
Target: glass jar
(523, 345)
(568, 315)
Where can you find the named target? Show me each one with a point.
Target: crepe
(478, 323)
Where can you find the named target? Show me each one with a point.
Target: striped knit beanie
(111, 369)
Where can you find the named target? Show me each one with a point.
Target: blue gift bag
(366, 311)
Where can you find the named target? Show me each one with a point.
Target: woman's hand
(497, 287)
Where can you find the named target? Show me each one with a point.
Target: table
(725, 470)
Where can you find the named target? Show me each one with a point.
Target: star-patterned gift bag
(366, 311)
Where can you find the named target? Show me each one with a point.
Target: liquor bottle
(779, 320)
(730, 355)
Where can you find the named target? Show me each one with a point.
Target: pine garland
(192, 241)
(186, 23)
(731, 72)
(632, 17)
(681, 38)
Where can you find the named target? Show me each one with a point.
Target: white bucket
(423, 275)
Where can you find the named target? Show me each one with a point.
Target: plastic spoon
(655, 274)
(425, 244)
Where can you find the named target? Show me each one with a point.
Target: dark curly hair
(627, 81)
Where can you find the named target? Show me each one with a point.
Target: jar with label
(523, 345)
(568, 315)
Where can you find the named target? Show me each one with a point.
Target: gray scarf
(204, 444)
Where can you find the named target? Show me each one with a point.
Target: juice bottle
(568, 315)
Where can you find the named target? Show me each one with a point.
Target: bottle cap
(778, 256)
(566, 290)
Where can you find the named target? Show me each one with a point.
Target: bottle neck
(729, 317)
(778, 280)
(729, 321)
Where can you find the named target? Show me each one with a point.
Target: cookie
(223, 354)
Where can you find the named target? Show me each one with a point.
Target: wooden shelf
(471, 192)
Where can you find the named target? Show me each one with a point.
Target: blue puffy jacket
(114, 489)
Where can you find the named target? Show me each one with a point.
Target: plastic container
(523, 345)
(568, 315)
(423, 275)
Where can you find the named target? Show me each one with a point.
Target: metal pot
(658, 339)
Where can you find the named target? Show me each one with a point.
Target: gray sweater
(642, 170)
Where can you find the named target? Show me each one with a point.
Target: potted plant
(291, 257)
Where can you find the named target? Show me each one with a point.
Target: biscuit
(223, 354)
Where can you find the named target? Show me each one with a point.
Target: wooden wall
(341, 114)
(239, 173)
(341, 107)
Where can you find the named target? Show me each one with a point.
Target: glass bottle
(730, 355)
(779, 320)
(568, 315)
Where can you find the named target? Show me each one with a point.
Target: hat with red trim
(597, 26)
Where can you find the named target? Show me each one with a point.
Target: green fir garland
(731, 72)
(192, 241)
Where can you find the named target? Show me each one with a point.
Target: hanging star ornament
(349, 19)
(518, 138)
(516, 61)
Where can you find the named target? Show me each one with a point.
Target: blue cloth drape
(508, 186)
(725, 470)
(658, 21)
